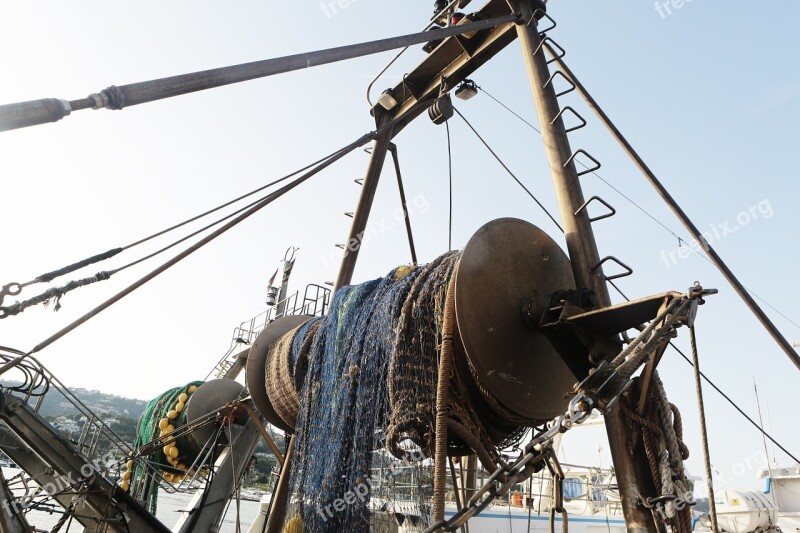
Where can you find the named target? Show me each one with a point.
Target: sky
(708, 94)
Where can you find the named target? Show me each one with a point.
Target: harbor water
(169, 506)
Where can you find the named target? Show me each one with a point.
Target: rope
(279, 381)
(673, 454)
(661, 428)
(698, 387)
(442, 388)
(721, 393)
(50, 276)
(54, 294)
(450, 174)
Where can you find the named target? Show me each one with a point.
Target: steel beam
(37, 469)
(633, 475)
(277, 510)
(12, 520)
(207, 508)
(662, 191)
(113, 507)
(24, 114)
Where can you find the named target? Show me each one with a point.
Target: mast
(633, 475)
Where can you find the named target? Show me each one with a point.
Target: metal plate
(509, 261)
(209, 397)
(256, 366)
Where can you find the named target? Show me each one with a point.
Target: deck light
(387, 100)
(466, 90)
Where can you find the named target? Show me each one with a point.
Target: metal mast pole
(633, 476)
(361, 216)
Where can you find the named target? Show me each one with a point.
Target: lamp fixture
(466, 90)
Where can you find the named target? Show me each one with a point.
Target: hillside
(121, 415)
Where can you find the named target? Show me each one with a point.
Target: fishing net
(365, 380)
(145, 477)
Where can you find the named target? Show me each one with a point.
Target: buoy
(179, 406)
(173, 452)
(127, 475)
(129, 464)
(295, 525)
(163, 423)
(192, 388)
(172, 415)
(403, 271)
(167, 448)
(124, 485)
(183, 397)
(170, 428)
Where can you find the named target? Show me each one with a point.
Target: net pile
(365, 378)
(144, 480)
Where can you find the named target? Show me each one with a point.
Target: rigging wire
(720, 392)
(364, 139)
(450, 175)
(621, 293)
(57, 293)
(509, 170)
(701, 408)
(50, 276)
(642, 209)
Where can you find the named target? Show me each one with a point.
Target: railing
(315, 302)
(37, 383)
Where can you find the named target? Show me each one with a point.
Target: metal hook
(290, 258)
(11, 289)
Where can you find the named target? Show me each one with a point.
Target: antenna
(773, 485)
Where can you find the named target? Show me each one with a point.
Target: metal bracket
(588, 170)
(610, 214)
(575, 113)
(628, 270)
(542, 14)
(551, 79)
(560, 50)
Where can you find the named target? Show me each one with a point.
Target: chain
(590, 394)
(537, 451)
(557, 503)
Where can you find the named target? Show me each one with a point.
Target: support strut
(361, 216)
(718, 262)
(632, 475)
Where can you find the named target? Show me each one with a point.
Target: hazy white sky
(709, 93)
